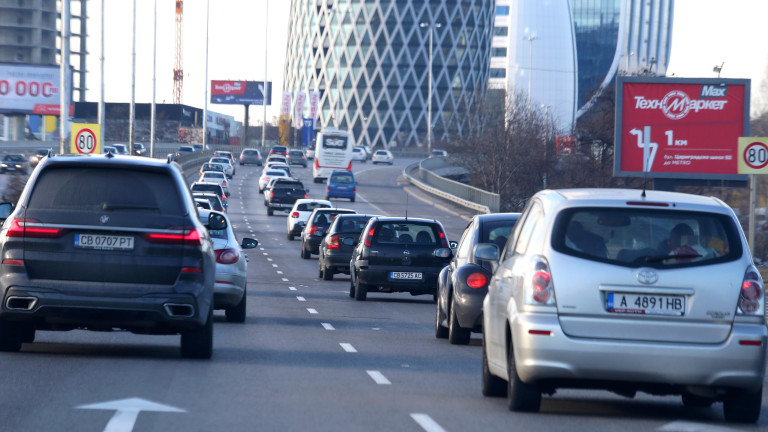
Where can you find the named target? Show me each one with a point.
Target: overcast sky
(706, 33)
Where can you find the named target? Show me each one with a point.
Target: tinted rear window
(311, 206)
(250, 153)
(325, 218)
(342, 178)
(287, 185)
(351, 224)
(407, 232)
(91, 189)
(497, 231)
(640, 237)
(215, 188)
(275, 173)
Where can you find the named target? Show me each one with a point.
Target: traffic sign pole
(753, 160)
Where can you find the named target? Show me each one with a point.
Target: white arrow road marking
(683, 426)
(427, 423)
(378, 377)
(127, 412)
(328, 326)
(348, 347)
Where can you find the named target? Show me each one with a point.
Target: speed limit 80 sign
(85, 138)
(753, 155)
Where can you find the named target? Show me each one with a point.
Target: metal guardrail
(420, 174)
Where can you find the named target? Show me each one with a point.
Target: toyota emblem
(647, 276)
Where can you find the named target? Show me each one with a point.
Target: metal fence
(420, 174)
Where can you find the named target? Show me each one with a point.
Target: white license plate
(405, 275)
(103, 242)
(645, 304)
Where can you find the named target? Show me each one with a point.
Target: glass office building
(369, 60)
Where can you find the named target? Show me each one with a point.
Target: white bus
(333, 151)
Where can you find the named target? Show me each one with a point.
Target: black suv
(398, 255)
(282, 195)
(106, 242)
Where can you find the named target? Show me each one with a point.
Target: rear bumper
(338, 262)
(469, 307)
(559, 358)
(341, 194)
(380, 277)
(228, 290)
(312, 243)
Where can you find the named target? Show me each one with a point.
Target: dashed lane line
(328, 326)
(347, 347)
(427, 423)
(301, 299)
(378, 377)
(312, 311)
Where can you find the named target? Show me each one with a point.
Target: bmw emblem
(647, 276)
(104, 219)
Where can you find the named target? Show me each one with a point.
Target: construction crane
(178, 71)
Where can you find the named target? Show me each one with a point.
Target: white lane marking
(285, 280)
(328, 326)
(292, 288)
(274, 265)
(261, 248)
(279, 272)
(427, 423)
(300, 298)
(311, 310)
(265, 254)
(378, 377)
(683, 426)
(348, 347)
(268, 259)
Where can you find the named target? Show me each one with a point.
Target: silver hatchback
(611, 289)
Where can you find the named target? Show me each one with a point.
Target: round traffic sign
(756, 155)
(85, 141)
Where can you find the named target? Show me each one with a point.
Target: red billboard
(31, 89)
(680, 127)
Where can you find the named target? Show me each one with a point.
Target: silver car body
(706, 347)
(215, 177)
(230, 278)
(229, 169)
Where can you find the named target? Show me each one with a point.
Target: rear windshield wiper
(669, 257)
(108, 206)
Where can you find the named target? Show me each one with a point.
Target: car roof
(497, 216)
(620, 197)
(404, 219)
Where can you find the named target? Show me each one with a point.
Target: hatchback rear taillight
(443, 239)
(31, 228)
(189, 236)
(295, 214)
(227, 256)
(752, 294)
(312, 229)
(540, 290)
(477, 280)
(333, 242)
(369, 236)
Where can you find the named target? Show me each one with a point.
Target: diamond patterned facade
(369, 60)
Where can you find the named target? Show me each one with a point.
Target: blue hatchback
(341, 184)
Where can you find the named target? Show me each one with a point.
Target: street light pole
(205, 106)
(530, 38)
(546, 136)
(429, 86)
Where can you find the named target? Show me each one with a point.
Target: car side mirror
(216, 222)
(249, 243)
(227, 194)
(5, 210)
(453, 244)
(443, 253)
(488, 252)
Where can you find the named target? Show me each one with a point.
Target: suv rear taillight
(190, 236)
(539, 289)
(31, 228)
(227, 256)
(333, 242)
(271, 195)
(752, 294)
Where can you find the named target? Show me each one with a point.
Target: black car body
(336, 248)
(316, 227)
(104, 242)
(14, 162)
(398, 255)
(283, 194)
(278, 150)
(211, 187)
(463, 283)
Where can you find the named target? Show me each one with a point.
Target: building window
(19, 57)
(498, 73)
(499, 52)
(500, 31)
(502, 10)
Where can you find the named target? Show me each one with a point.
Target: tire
(520, 396)
(10, 339)
(743, 406)
(304, 253)
(26, 333)
(456, 334)
(693, 401)
(198, 343)
(327, 273)
(261, 191)
(440, 331)
(351, 287)
(236, 314)
(493, 386)
(289, 236)
(361, 291)
(327, 198)
(270, 212)
(352, 199)
(320, 272)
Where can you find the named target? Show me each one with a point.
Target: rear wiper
(668, 257)
(108, 206)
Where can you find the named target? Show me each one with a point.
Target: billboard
(31, 89)
(680, 127)
(241, 92)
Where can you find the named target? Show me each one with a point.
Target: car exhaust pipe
(20, 303)
(179, 310)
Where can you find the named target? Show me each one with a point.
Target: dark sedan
(463, 283)
(338, 244)
(317, 225)
(398, 255)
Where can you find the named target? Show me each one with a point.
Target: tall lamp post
(429, 88)
(546, 137)
(530, 38)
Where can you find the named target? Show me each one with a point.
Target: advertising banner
(241, 92)
(298, 110)
(307, 132)
(31, 89)
(314, 102)
(285, 108)
(680, 127)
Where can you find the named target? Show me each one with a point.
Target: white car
(268, 175)
(300, 212)
(216, 177)
(359, 154)
(277, 158)
(229, 169)
(229, 290)
(383, 156)
(226, 154)
(311, 153)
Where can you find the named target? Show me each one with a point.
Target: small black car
(317, 225)
(463, 283)
(338, 244)
(398, 255)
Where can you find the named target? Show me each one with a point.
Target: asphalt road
(307, 358)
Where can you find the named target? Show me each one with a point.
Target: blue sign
(307, 132)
